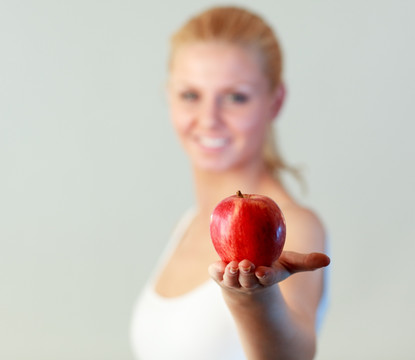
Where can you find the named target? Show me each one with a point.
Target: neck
(212, 187)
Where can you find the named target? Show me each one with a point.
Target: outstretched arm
(275, 307)
(269, 326)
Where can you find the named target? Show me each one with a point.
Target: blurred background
(92, 179)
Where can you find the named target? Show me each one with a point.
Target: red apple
(248, 226)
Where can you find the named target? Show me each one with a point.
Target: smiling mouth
(212, 142)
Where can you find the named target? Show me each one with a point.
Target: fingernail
(246, 269)
(233, 271)
(264, 276)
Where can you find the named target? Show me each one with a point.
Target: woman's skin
(221, 106)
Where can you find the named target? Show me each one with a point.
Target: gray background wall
(92, 179)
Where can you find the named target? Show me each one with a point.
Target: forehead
(213, 62)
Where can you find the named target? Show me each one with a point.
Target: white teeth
(213, 143)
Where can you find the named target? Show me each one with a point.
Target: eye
(189, 96)
(238, 98)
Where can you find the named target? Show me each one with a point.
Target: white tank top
(196, 325)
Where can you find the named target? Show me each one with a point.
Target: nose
(209, 115)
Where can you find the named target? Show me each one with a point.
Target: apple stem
(239, 194)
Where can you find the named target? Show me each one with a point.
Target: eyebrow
(238, 84)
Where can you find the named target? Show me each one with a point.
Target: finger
(216, 270)
(247, 277)
(317, 260)
(290, 263)
(268, 276)
(295, 262)
(230, 276)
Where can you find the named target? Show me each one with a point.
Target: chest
(187, 267)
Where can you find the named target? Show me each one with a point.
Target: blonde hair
(238, 26)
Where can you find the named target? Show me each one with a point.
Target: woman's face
(220, 105)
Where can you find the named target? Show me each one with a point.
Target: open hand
(244, 277)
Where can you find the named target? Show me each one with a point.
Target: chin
(221, 162)
(219, 166)
(211, 166)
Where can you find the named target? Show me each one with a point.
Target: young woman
(225, 89)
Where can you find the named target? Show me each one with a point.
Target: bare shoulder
(305, 230)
